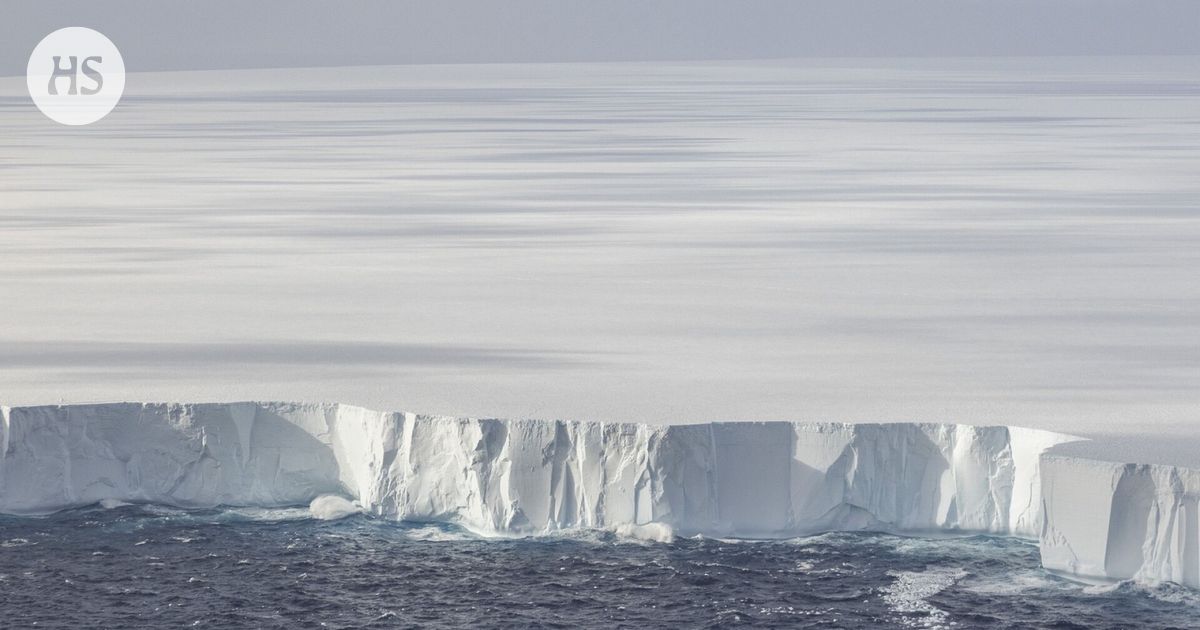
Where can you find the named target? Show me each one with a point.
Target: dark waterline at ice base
(154, 567)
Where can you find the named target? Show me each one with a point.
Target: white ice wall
(1121, 521)
(1094, 518)
(193, 455)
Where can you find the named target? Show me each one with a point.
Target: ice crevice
(1092, 517)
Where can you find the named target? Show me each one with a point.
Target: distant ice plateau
(1092, 518)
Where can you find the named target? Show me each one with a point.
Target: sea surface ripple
(135, 566)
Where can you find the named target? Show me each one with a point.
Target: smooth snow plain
(966, 241)
(1004, 243)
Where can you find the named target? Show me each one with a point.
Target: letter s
(92, 74)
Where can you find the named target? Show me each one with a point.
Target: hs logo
(69, 72)
(75, 76)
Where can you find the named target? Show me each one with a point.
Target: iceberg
(1093, 518)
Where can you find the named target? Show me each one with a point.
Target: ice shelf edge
(1092, 518)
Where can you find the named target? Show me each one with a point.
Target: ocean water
(154, 567)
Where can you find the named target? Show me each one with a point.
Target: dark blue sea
(155, 567)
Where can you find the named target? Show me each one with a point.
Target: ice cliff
(744, 479)
(1121, 521)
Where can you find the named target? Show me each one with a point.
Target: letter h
(59, 71)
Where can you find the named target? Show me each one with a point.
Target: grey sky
(156, 35)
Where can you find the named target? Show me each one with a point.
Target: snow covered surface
(1094, 518)
(989, 241)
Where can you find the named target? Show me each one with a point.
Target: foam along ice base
(331, 507)
(1093, 518)
(651, 532)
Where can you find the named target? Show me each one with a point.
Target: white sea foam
(1018, 582)
(438, 533)
(1165, 592)
(331, 507)
(259, 514)
(649, 532)
(910, 591)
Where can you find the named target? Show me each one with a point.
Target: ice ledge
(1093, 518)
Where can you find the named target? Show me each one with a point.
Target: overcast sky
(158, 35)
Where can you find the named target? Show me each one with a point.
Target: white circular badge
(75, 76)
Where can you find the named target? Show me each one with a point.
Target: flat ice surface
(986, 241)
